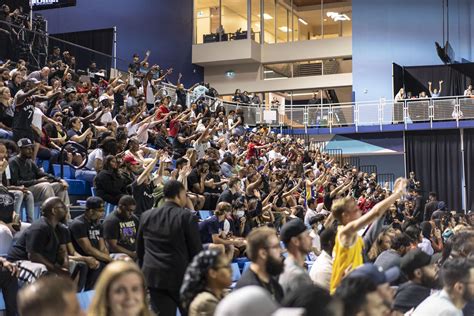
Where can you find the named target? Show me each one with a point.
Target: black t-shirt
(209, 227)
(143, 194)
(226, 196)
(23, 115)
(181, 98)
(273, 287)
(39, 238)
(7, 200)
(81, 228)
(122, 229)
(193, 178)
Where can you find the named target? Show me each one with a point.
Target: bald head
(49, 204)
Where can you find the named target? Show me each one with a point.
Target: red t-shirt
(162, 111)
(174, 128)
(251, 151)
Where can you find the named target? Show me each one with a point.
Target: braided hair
(195, 278)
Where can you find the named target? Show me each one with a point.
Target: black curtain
(435, 157)
(397, 72)
(98, 40)
(456, 78)
(469, 167)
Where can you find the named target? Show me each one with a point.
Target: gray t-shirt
(438, 304)
(293, 276)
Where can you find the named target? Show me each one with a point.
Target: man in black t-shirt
(41, 242)
(121, 226)
(263, 249)
(232, 191)
(86, 231)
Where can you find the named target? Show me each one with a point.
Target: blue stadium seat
(246, 266)
(78, 187)
(2, 302)
(85, 299)
(205, 214)
(68, 171)
(241, 262)
(235, 272)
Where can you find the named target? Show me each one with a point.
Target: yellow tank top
(344, 257)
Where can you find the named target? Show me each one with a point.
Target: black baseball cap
(376, 274)
(24, 142)
(292, 229)
(415, 259)
(94, 202)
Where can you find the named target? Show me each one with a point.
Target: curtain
(435, 157)
(456, 78)
(469, 167)
(97, 40)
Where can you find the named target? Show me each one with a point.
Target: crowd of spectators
(316, 236)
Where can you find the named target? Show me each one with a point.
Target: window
(206, 19)
(234, 18)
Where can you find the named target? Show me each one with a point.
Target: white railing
(369, 113)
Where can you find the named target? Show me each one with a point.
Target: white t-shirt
(37, 118)
(201, 148)
(106, 117)
(132, 129)
(95, 154)
(321, 270)
(150, 98)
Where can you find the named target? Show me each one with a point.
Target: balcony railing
(378, 113)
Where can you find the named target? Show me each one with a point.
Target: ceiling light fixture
(302, 21)
(338, 16)
(284, 29)
(266, 16)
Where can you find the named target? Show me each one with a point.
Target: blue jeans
(29, 201)
(86, 175)
(5, 134)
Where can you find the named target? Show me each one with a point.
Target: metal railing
(369, 113)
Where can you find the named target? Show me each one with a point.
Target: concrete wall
(165, 27)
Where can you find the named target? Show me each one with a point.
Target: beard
(468, 296)
(432, 283)
(274, 266)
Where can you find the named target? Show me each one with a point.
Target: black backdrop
(435, 157)
(415, 79)
(98, 40)
(469, 167)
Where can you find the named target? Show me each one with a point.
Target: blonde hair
(112, 272)
(340, 206)
(2, 90)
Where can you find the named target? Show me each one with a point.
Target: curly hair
(195, 278)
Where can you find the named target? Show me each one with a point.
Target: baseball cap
(24, 142)
(131, 160)
(69, 91)
(292, 229)
(376, 274)
(94, 202)
(415, 259)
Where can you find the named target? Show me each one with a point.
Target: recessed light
(266, 16)
(338, 16)
(284, 29)
(302, 21)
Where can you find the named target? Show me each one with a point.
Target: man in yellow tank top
(349, 245)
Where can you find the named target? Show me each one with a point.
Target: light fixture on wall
(230, 74)
(284, 29)
(266, 16)
(302, 21)
(338, 16)
(200, 14)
